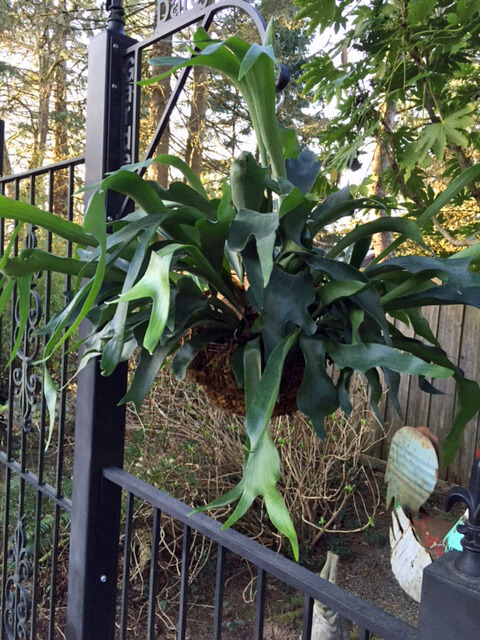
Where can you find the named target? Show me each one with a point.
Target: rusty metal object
(412, 469)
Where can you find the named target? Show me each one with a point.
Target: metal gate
(66, 563)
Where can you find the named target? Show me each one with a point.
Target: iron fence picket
(307, 619)
(260, 604)
(126, 567)
(219, 591)
(182, 613)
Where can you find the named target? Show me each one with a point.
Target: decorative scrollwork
(25, 380)
(469, 560)
(18, 607)
(169, 9)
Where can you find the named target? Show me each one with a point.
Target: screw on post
(116, 16)
(469, 560)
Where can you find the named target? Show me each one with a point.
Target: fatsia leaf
(50, 390)
(434, 137)
(367, 356)
(317, 396)
(155, 285)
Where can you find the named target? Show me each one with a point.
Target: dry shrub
(183, 445)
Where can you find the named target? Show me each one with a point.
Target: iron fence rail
(369, 618)
(40, 171)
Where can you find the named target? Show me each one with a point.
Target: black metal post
(450, 607)
(100, 423)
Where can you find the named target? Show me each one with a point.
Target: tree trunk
(44, 93)
(60, 131)
(196, 123)
(380, 164)
(158, 101)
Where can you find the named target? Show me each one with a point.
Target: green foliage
(247, 270)
(406, 74)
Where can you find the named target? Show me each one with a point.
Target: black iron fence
(67, 566)
(35, 480)
(369, 619)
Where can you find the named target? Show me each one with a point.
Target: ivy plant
(185, 270)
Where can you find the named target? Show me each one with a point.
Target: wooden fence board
(419, 402)
(442, 407)
(469, 361)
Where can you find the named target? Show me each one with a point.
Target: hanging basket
(212, 370)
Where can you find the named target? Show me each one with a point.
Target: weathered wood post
(450, 606)
(100, 423)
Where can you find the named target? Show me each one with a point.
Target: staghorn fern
(185, 270)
